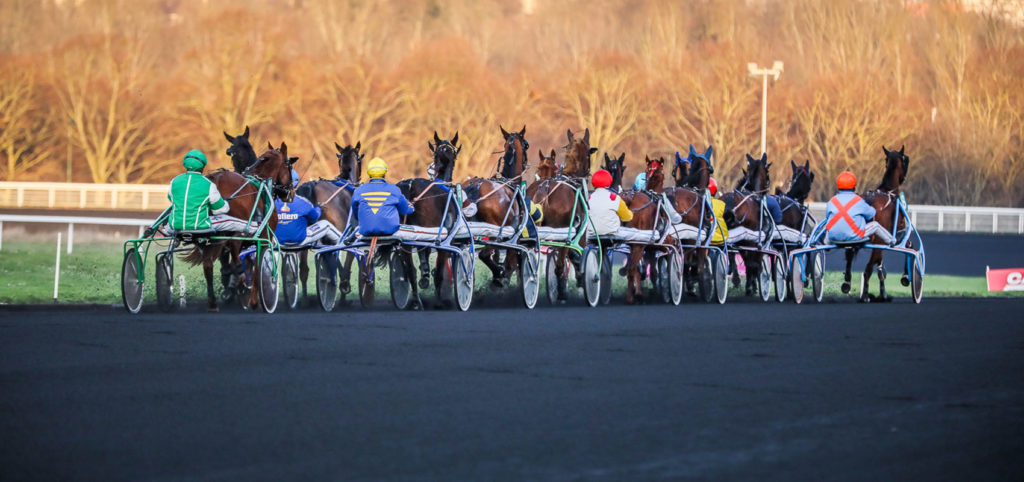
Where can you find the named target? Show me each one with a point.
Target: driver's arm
(217, 204)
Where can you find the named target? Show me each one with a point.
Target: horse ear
(455, 138)
(504, 133)
(693, 152)
(647, 158)
(437, 139)
(291, 160)
(430, 146)
(359, 145)
(901, 150)
(807, 165)
(707, 153)
(568, 133)
(764, 157)
(606, 158)
(749, 160)
(284, 149)
(622, 158)
(593, 150)
(269, 145)
(552, 155)
(792, 164)
(229, 138)
(886, 151)
(523, 131)
(586, 136)
(338, 147)
(246, 133)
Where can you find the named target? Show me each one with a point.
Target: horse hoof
(845, 288)
(497, 283)
(346, 287)
(424, 283)
(622, 271)
(905, 280)
(212, 309)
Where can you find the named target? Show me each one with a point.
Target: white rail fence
(71, 221)
(74, 195)
(953, 219)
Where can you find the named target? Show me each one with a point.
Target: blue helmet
(295, 178)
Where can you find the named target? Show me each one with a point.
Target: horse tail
(194, 257)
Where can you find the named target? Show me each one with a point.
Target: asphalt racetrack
(836, 391)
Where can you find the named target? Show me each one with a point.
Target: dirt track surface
(779, 392)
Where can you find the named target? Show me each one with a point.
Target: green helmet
(195, 160)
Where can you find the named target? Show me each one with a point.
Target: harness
(843, 213)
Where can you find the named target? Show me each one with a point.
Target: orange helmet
(602, 178)
(712, 186)
(846, 180)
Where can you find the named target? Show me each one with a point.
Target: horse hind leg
(303, 271)
(753, 273)
(634, 293)
(846, 275)
(489, 257)
(865, 282)
(734, 270)
(424, 255)
(882, 296)
(211, 298)
(562, 274)
(440, 271)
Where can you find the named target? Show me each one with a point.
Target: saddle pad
(485, 229)
(408, 232)
(684, 232)
(741, 234)
(547, 233)
(787, 234)
(626, 234)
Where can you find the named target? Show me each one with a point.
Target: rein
(506, 184)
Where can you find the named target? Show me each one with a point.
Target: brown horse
(334, 198)
(430, 198)
(884, 200)
(557, 198)
(692, 175)
(644, 205)
(496, 204)
(745, 203)
(547, 169)
(243, 198)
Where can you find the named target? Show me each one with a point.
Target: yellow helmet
(377, 168)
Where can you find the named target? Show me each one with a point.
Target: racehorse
(644, 205)
(334, 198)
(241, 152)
(692, 175)
(617, 167)
(745, 203)
(883, 199)
(430, 198)
(557, 198)
(242, 195)
(547, 168)
(792, 201)
(495, 198)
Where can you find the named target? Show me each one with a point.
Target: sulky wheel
(764, 280)
(917, 280)
(290, 279)
(706, 280)
(591, 265)
(817, 271)
(779, 277)
(721, 276)
(606, 279)
(401, 285)
(164, 287)
(675, 277)
(131, 282)
(551, 277)
(463, 267)
(796, 280)
(326, 283)
(367, 283)
(268, 283)
(529, 277)
(661, 275)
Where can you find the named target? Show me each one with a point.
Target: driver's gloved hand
(148, 232)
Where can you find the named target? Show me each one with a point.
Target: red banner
(1005, 279)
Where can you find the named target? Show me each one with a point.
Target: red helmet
(712, 186)
(846, 180)
(602, 178)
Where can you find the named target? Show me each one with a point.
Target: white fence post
(1, 235)
(71, 236)
(995, 222)
(56, 271)
(967, 222)
(940, 222)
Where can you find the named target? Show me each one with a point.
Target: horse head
(896, 165)
(350, 162)
(513, 163)
(577, 158)
(275, 164)
(617, 167)
(800, 183)
(547, 168)
(241, 152)
(756, 178)
(445, 151)
(700, 169)
(680, 169)
(655, 174)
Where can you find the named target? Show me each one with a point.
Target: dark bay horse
(243, 198)
(496, 204)
(883, 199)
(692, 175)
(430, 199)
(644, 205)
(241, 152)
(792, 201)
(557, 197)
(334, 198)
(745, 203)
(547, 168)
(616, 166)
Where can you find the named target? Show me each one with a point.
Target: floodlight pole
(764, 73)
